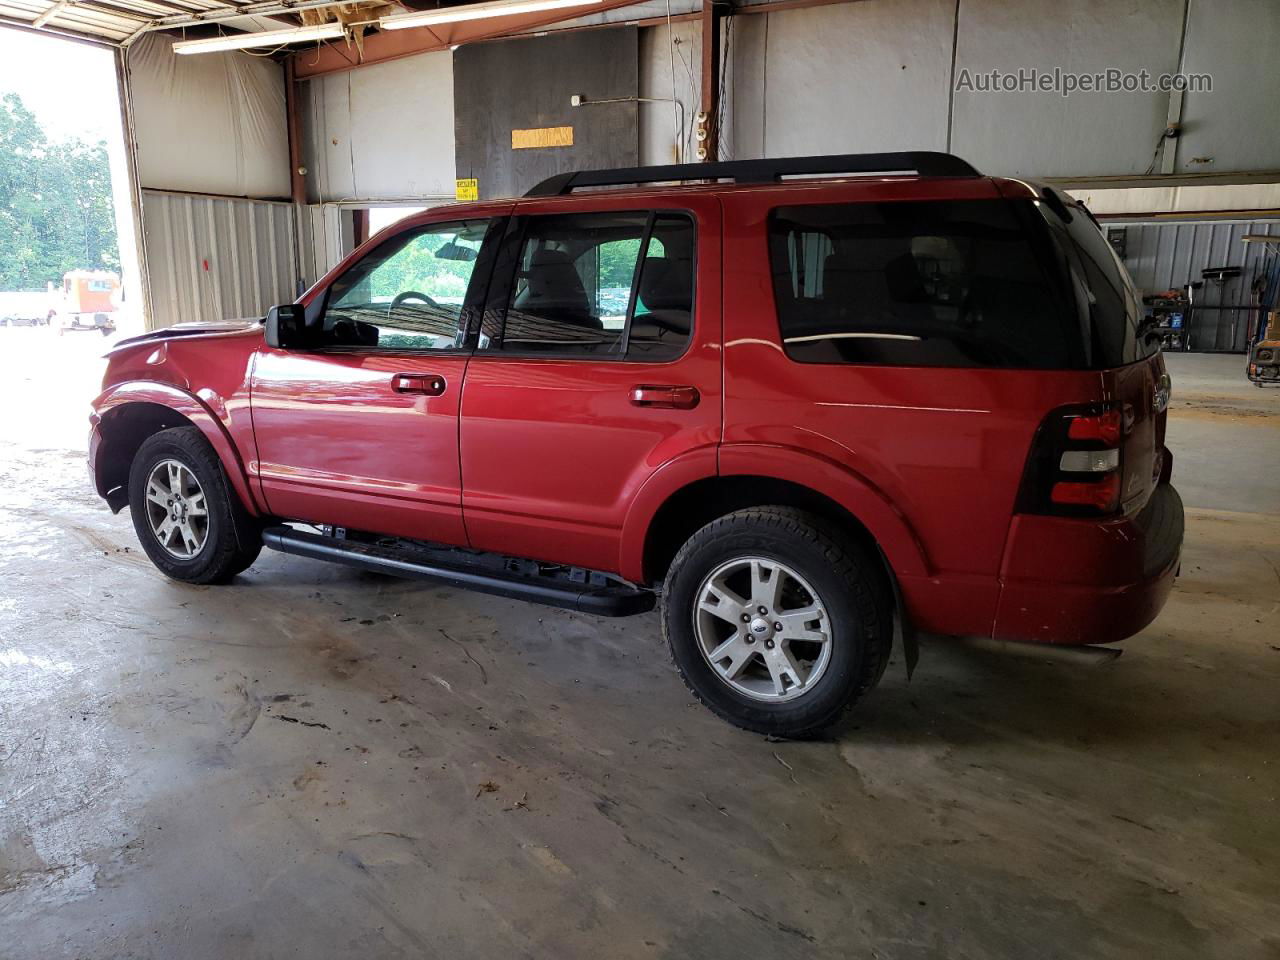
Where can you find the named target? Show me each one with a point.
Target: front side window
(604, 285)
(914, 283)
(408, 293)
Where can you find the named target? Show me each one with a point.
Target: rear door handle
(665, 395)
(430, 384)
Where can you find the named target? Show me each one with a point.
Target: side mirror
(286, 326)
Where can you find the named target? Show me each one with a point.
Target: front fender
(884, 521)
(194, 409)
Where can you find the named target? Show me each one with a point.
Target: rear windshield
(973, 283)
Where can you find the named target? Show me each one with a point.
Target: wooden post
(360, 225)
(707, 129)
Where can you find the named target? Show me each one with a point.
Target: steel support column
(297, 175)
(297, 172)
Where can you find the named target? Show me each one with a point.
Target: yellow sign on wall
(542, 137)
(467, 190)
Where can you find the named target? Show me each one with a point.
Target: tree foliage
(56, 212)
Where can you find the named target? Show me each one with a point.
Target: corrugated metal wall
(915, 74)
(325, 236)
(1169, 255)
(214, 258)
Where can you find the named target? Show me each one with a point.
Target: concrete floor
(319, 763)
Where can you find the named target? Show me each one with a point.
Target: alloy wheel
(177, 509)
(763, 629)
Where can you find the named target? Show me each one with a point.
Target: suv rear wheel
(189, 522)
(776, 625)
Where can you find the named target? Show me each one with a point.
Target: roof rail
(924, 162)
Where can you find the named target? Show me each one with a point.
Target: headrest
(666, 284)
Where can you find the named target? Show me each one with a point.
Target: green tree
(56, 212)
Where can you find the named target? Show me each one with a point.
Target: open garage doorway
(69, 271)
(381, 217)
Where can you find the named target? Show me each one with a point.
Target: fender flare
(892, 532)
(194, 409)
(663, 483)
(883, 520)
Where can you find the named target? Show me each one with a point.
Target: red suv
(799, 411)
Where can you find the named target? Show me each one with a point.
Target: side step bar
(461, 569)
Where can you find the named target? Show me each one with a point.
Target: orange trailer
(89, 300)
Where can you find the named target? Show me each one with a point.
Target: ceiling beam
(394, 44)
(227, 11)
(1222, 178)
(112, 9)
(49, 14)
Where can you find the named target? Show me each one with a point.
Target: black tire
(850, 582)
(233, 540)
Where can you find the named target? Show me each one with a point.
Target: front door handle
(666, 395)
(430, 384)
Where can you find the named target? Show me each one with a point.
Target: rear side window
(1107, 311)
(662, 306)
(600, 285)
(916, 283)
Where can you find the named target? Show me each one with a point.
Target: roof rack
(924, 162)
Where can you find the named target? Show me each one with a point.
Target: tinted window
(928, 283)
(605, 285)
(409, 292)
(663, 313)
(1106, 303)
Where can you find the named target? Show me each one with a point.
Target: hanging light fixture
(268, 38)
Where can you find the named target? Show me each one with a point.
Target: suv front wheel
(776, 625)
(188, 520)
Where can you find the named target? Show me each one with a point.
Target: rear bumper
(1075, 582)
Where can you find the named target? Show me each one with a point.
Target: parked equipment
(1264, 357)
(89, 301)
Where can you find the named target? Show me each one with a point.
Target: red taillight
(1075, 466)
(1102, 494)
(1104, 427)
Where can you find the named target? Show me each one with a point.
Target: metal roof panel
(107, 20)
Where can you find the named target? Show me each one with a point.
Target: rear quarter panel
(944, 448)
